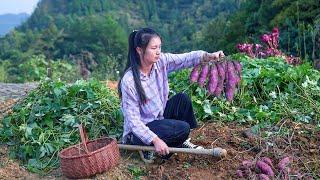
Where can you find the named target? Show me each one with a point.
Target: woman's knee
(183, 128)
(184, 97)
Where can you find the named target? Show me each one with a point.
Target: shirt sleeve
(175, 62)
(131, 112)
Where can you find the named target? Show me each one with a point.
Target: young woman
(149, 117)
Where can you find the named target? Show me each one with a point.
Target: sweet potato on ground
(263, 177)
(284, 163)
(264, 168)
(267, 160)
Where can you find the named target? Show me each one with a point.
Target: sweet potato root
(231, 81)
(267, 161)
(203, 75)
(222, 74)
(284, 163)
(195, 73)
(213, 79)
(263, 177)
(264, 168)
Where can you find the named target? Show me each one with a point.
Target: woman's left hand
(213, 56)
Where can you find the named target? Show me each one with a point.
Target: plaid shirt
(156, 87)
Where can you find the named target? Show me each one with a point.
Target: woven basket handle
(84, 138)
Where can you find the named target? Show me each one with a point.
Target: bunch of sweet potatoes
(218, 76)
(264, 169)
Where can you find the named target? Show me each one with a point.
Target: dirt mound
(302, 143)
(10, 169)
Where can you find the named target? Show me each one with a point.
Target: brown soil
(5, 107)
(111, 84)
(10, 169)
(302, 144)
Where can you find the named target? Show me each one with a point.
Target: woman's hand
(212, 56)
(161, 146)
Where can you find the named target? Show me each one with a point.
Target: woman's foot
(188, 144)
(147, 156)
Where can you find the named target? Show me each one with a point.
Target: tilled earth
(298, 141)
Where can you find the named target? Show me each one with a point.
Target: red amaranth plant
(270, 48)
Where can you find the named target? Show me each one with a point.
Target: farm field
(300, 142)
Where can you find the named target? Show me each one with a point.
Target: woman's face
(152, 52)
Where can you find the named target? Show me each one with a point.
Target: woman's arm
(175, 62)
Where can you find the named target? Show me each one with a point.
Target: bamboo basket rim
(61, 154)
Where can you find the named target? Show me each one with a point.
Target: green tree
(4, 65)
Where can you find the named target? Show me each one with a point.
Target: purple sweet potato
(237, 68)
(239, 173)
(263, 177)
(213, 79)
(247, 164)
(264, 168)
(229, 94)
(203, 75)
(243, 172)
(221, 79)
(231, 76)
(231, 81)
(267, 160)
(284, 163)
(194, 75)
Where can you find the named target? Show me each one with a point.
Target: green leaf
(207, 108)
(43, 152)
(48, 121)
(28, 132)
(57, 92)
(68, 120)
(49, 147)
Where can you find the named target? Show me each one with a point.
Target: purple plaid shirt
(156, 87)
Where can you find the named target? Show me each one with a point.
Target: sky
(17, 6)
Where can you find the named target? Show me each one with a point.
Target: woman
(149, 117)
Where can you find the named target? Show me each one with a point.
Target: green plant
(46, 120)
(137, 172)
(36, 67)
(4, 65)
(269, 91)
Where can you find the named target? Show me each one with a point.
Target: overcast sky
(17, 6)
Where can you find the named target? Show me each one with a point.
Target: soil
(298, 141)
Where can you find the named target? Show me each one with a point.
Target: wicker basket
(89, 158)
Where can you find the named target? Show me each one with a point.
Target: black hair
(136, 39)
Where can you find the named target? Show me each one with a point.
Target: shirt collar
(154, 68)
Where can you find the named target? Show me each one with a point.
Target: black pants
(178, 119)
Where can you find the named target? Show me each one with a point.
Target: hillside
(93, 34)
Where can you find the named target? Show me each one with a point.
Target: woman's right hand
(212, 56)
(160, 146)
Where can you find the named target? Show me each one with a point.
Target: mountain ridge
(9, 21)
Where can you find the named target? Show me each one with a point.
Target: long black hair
(136, 39)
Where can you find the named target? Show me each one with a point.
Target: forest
(59, 71)
(92, 35)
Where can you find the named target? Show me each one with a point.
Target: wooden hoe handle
(216, 152)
